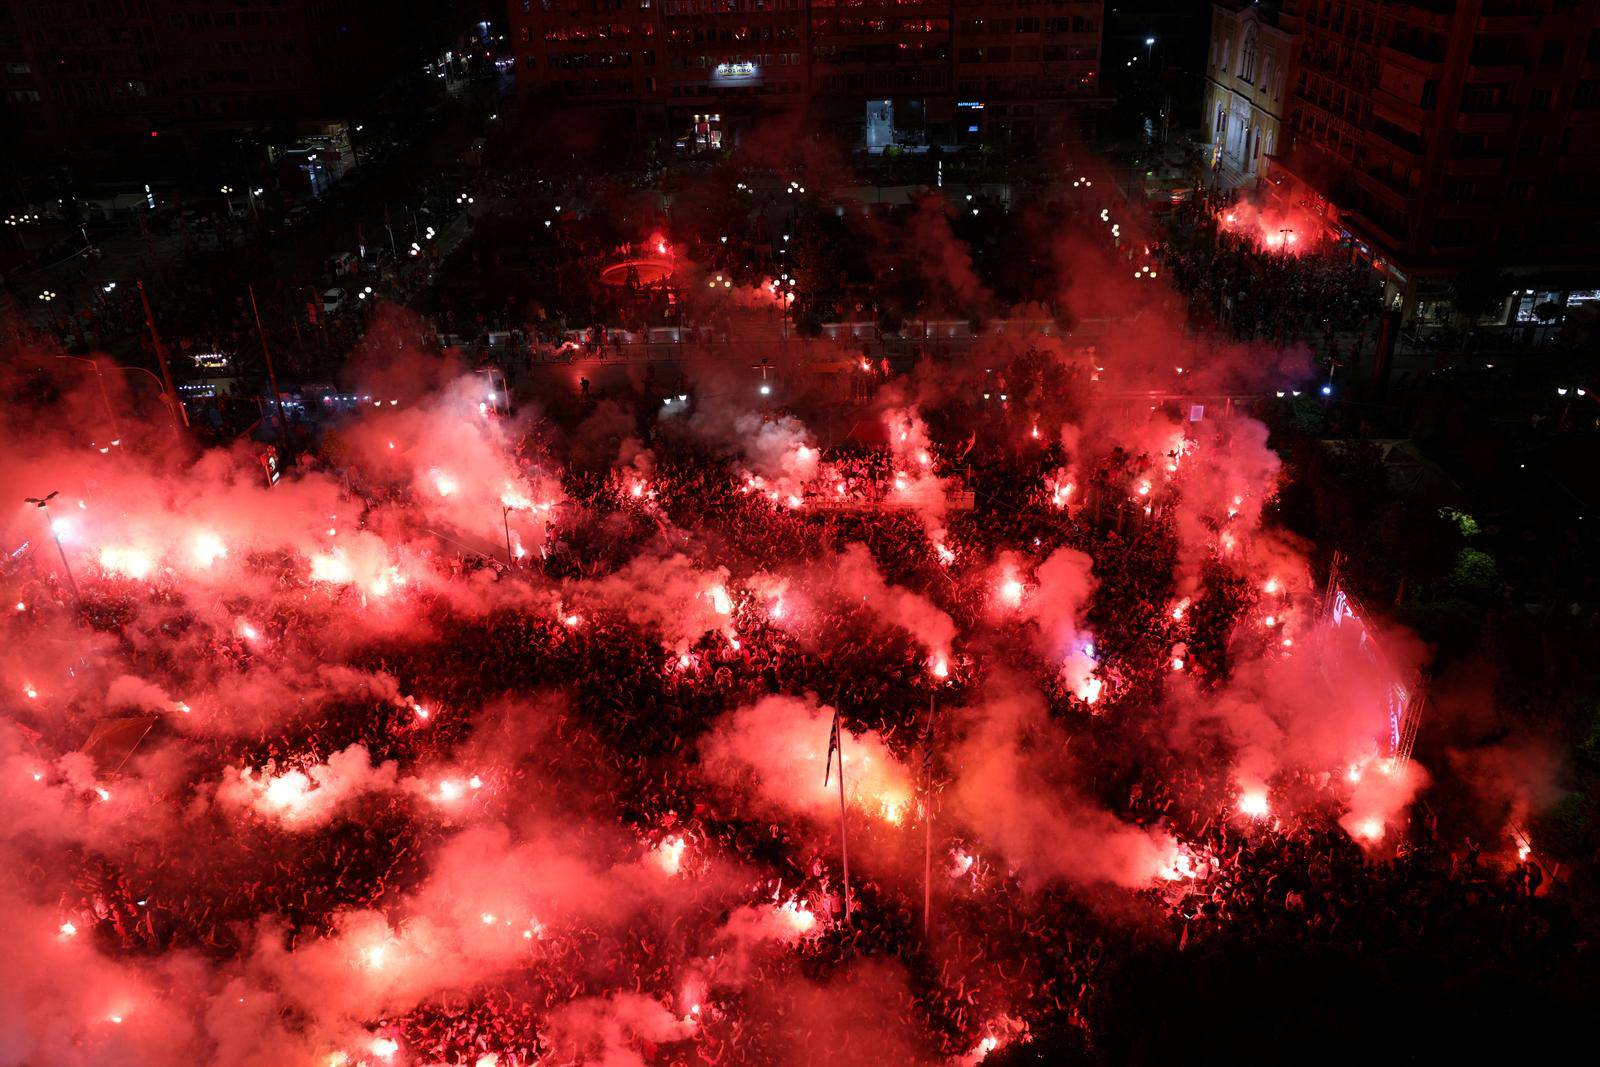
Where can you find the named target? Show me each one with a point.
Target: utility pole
(836, 744)
(161, 353)
(844, 843)
(272, 374)
(927, 820)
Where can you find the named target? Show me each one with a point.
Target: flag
(833, 745)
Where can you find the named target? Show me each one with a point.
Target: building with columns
(1247, 78)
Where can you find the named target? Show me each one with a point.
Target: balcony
(1474, 166)
(1419, 59)
(1484, 121)
(1398, 111)
(1508, 16)
(1380, 188)
(1498, 71)
(1474, 209)
(1508, 23)
(1432, 15)
(1379, 237)
(1567, 163)
(1393, 140)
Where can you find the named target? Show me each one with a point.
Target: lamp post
(166, 398)
(169, 389)
(43, 504)
(100, 384)
(1149, 56)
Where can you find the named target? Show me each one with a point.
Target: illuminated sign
(269, 464)
(736, 74)
(975, 105)
(211, 361)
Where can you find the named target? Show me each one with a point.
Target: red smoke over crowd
(706, 732)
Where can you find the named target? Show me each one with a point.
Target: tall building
(1247, 80)
(124, 81)
(1439, 137)
(912, 73)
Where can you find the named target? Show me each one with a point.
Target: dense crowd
(1283, 294)
(1004, 961)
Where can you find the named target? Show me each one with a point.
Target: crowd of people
(1003, 961)
(1287, 293)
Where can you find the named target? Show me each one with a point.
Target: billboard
(730, 75)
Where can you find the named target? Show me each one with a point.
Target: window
(1247, 58)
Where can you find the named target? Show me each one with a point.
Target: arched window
(1247, 56)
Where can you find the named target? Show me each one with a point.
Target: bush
(1475, 574)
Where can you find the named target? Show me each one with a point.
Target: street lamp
(1149, 50)
(100, 383)
(505, 517)
(167, 399)
(46, 295)
(43, 504)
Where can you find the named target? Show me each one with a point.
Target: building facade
(1438, 137)
(912, 73)
(1247, 79)
(135, 80)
